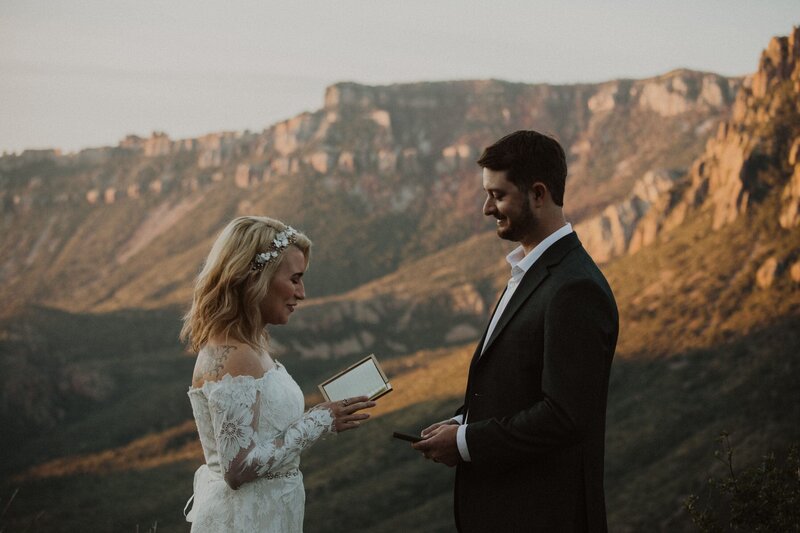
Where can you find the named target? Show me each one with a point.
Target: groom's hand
(428, 430)
(440, 445)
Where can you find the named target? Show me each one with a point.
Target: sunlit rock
(790, 201)
(765, 275)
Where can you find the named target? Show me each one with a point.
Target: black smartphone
(406, 436)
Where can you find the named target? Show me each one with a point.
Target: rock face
(766, 273)
(629, 225)
(790, 199)
(760, 142)
(672, 95)
(754, 154)
(794, 272)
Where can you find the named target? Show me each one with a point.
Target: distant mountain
(686, 188)
(377, 177)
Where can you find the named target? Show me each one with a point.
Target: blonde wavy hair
(228, 292)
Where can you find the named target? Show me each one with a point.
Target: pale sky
(83, 73)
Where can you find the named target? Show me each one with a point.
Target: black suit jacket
(536, 402)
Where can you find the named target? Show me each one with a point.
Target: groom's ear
(538, 194)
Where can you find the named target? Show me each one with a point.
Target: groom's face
(508, 205)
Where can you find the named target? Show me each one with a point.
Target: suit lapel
(479, 348)
(532, 279)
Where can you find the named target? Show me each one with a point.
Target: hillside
(670, 396)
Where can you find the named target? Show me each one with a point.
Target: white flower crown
(279, 243)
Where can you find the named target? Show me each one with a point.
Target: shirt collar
(521, 263)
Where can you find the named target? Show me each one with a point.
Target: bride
(248, 409)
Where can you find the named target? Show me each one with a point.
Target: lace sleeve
(244, 456)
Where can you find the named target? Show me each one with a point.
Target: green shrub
(761, 498)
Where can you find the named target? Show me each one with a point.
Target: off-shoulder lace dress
(252, 429)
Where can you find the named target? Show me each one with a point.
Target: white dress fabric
(252, 428)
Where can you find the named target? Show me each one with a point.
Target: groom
(528, 440)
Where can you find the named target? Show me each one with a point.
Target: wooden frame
(386, 389)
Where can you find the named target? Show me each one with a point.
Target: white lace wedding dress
(252, 428)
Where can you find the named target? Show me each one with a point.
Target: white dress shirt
(520, 264)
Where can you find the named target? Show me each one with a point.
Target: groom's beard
(519, 225)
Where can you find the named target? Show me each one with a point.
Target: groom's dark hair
(529, 156)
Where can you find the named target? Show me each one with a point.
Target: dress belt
(294, 472)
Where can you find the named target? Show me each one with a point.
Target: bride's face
(286, 288)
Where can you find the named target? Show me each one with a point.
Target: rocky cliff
(753, 155)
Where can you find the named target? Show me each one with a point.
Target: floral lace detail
(245, 449)
(232, 404)
(269, 456)
(233, 436)
(323, 417)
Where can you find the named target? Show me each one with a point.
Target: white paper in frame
(364, 378)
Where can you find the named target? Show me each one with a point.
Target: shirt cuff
(458, 418)
(461, 441)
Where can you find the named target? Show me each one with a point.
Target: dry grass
(151, 451)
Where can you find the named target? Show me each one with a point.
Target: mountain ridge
(85, 231)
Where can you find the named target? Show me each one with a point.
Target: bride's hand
(345, 412)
